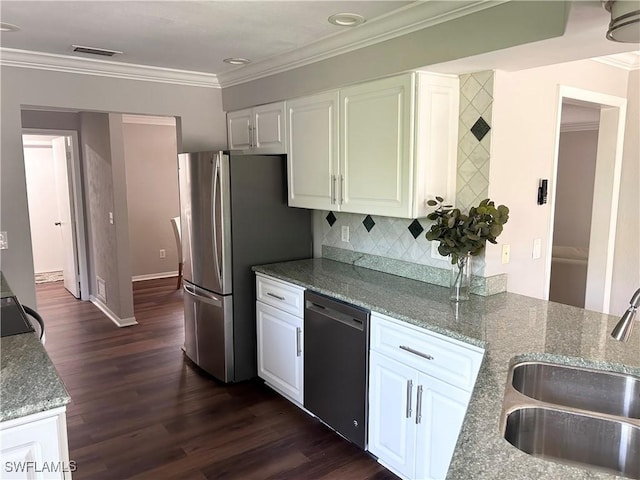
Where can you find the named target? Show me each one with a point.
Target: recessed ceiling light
(8, 27)
(346, 19)
(237, 61)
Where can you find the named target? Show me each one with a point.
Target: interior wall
(626, 264)
(152, 197)
(43, 209)
(496, 28)
(572, 216)
(522, 152)
(574, 193)
(202, 127)
(99, 197)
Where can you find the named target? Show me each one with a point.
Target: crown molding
(148, 120)
(104, 68)
(413, 17)
(627, 61)
(579, 127)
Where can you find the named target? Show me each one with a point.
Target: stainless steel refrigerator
(234, 214)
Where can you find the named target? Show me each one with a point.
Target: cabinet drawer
(446, 359)
(279, 294)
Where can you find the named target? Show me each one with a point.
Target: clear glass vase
(460, 281)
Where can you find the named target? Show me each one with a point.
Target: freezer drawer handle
(275, 296)
(202, 297)
(409, 389)
(416, 352)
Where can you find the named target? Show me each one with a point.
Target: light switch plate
(537, 248)
(506, 254)
(4, 241)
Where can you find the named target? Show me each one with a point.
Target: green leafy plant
(462, 234)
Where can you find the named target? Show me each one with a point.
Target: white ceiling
(195, 36)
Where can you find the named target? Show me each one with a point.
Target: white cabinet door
(312, 151)
(280, 361)
(239, 125)
(257, 130)
(35, 447)
(376, 157)
(392, 426)
(441, 408)
(268, 128)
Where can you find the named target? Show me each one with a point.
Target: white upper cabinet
(396, 140)
(259, 130)
(375, 147)
(312, 151)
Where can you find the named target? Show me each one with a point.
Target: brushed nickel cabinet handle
(419, 405)
(298, 342)
(409, 390)
(416, 352)
(275, 296)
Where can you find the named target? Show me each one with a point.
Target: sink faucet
(622, 330)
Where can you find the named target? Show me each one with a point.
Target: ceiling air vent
(95, 51)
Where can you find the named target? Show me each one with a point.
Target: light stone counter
(29, 383)
(509, 327)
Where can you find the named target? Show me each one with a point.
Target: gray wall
(104, 175)
(152, 196)
(202, 128)
(499, 27)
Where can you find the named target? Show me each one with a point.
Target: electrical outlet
(506, 253)
(4, 241)
(345, 233)
(163, 253)
(111, 218)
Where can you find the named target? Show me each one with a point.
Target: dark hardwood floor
(139, 410)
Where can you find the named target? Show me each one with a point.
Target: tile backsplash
(404, 239)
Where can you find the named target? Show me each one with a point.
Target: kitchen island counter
(508, 326)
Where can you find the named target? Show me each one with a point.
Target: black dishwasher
(336, 343)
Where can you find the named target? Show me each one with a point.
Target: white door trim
(78, 202)
(606, 190)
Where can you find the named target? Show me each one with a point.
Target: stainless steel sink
(591, 390)
(574, 415)
(569, 437)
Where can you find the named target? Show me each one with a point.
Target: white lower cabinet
(35, 447)
(415, 417)
(279, 330)
(280, 350)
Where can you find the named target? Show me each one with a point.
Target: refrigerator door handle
(214, 187)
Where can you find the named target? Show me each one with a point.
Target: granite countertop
(509, 327)
(29, 383)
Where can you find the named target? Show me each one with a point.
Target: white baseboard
(153, 276)
(120, 322)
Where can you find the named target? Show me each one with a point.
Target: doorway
(600, 212)
(574, 202)
(56, 208)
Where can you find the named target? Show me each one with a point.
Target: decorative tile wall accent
(474, 133)
(390, 238)
(368, 223)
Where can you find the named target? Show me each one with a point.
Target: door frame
(77, 202)
(606, 189)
